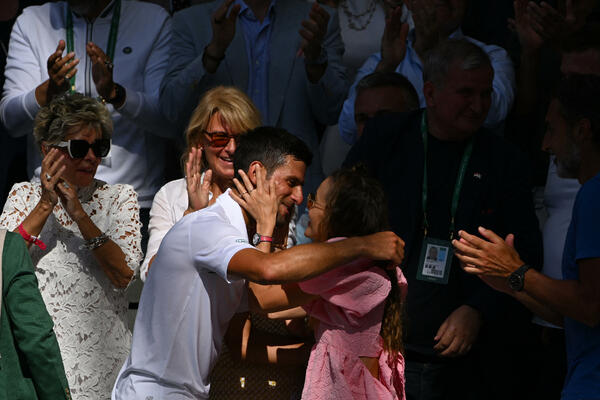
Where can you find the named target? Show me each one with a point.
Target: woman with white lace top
(84, 239)
(222, 114)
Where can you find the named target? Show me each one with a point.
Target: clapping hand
(198, 190)
(223, 27)
(523, 25)
(488, 256)
(549, 23)
(70, 201)
(102, 71)
(53, 165)
(60, 70)
(393, 43)
(313, 32)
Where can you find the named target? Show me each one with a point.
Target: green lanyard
(459, 179)
(112, 35)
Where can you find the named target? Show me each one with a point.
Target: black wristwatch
(119, 95)
(516, 280)
(258, 238)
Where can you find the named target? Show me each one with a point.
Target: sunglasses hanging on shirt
(79, 148)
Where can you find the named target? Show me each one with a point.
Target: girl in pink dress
(355, 308)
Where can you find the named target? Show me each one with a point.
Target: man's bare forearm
(306, 261)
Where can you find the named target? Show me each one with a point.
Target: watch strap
(516, 280)
(262, 238)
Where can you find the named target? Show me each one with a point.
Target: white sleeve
(160, 223)
(142, 106)
(23, 74)
(213, 242)
(504, 85)
(17, 206)
(125, 225)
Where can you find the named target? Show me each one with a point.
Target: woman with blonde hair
(222, 114)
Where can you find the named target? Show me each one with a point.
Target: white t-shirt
(185, 307)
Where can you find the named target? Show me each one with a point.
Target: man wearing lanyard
(285, 54)
(113, 50)
(442, 171)
(405, 45)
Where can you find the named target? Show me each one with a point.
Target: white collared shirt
(186, 305)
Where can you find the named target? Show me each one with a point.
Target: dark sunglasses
(79, 148)
(219, 138)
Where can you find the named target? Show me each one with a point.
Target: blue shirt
(411, 67)
(583, 343)
(257, 36)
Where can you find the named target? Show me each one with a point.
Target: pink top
(350, 311)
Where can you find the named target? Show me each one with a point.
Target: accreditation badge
(435, 261)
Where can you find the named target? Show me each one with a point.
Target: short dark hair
(390, 79)
(579, 98)
(270, 146)
(439, 59)
(356, 205)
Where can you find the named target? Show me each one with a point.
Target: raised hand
(223, 28)
(53, 165)
(197, 191)
(551, 24)
(522, 24)
(313, 32)
(102, 71)
(60, 70)
(70, 201)
(260, 202)
(393, 42)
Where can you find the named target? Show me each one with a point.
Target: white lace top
(89, 313)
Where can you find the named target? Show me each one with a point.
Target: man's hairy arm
(306, 261)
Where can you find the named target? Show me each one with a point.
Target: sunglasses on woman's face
(219, 138)
(79, 148)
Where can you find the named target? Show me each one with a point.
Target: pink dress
(350, 310)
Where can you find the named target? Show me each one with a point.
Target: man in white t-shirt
(198, 282)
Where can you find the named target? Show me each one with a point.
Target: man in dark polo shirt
(443, 172)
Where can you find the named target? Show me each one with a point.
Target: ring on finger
(108, 64)
(249, 191)
(48, 176)
(244, 193)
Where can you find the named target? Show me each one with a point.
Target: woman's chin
(309, 233)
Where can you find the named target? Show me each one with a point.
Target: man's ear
(429, 94)
(252, 171)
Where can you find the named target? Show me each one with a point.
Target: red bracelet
(31, 239)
